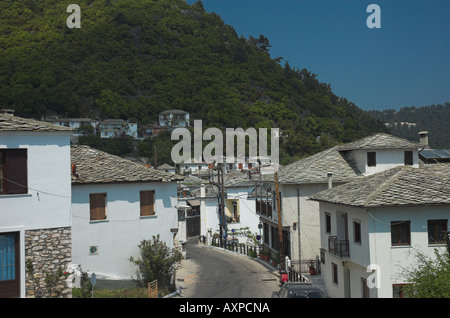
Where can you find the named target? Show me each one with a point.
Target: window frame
(327, 222)
(371, 161)
(334, 273)
(94, 215)
(408, 158)
(12, 181)
(357, 231)
(443, 223)
(407, 231)
(145, 203)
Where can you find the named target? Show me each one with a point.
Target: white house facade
(35, 231)
(115, 205)
(373, 228)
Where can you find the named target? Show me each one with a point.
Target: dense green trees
(134, 59)
(408, 121)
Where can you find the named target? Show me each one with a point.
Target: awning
(194, 202)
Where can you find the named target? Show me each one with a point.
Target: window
(371, 159)
(327, 223)
(408, 158)
(97, 206)
(400, 233)
(364, 288)
(13, 171)
(435, 229)
(147, 199)
(335, 273)
(357, 231)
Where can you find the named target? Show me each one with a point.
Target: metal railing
(338, 247)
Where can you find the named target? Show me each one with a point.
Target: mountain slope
(136, 58)
(408, 121)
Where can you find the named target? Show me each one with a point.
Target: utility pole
(222, 201)
(280, 228)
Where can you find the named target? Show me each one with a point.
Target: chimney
(74, 170)
(330, 179)
(423, 137)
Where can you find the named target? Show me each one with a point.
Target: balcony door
(9, 265)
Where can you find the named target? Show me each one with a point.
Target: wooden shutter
(15, 171)
(147, 199)
(97, 203)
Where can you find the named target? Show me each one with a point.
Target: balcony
(338, 247)
(264, 208)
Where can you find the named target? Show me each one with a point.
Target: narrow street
(210, 272)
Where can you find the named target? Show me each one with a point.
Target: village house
(116, 204)
(372, 229)
(35, 226)
(174, 118)
(77, 124)
(117, 127)
(301, 179)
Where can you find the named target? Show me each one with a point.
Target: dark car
(298, 290)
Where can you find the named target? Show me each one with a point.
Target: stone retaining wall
(48, 253)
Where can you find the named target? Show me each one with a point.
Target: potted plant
(312, 269)
(274, 261)
(267, 256)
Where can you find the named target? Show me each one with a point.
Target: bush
(157, 262)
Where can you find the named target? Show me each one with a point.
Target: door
(9, 265)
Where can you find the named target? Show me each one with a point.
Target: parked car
(298, 290)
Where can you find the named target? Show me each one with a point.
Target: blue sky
(406, 62)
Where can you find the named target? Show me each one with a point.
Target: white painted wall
(385, 159)
(47, 203)
(247, 209)
(375, 247)
(118, 237)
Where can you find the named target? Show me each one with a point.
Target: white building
(303, 178)
(117, 127)
(116, 204)
(173, 118)
(34, 204)
(240, 210)
(379, 223)
(75, 124)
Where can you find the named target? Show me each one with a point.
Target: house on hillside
(35, 191)
(174, 118)
(167, 168)
(77, 124)
(311, 175)
(372, 228)
(117, 127)
(116, 204)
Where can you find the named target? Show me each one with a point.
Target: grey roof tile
(13, 123)
(95, 166)
(400, 186)
(380, 141)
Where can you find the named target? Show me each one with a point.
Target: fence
(240, 248)
(296, 269)
(153, 289)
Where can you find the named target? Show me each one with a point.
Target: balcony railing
(264, 208)
(338, 247)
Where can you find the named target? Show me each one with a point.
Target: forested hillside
(408, 121)
(136, 58)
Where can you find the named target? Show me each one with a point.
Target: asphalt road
(210, 272)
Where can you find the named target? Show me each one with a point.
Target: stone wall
(48, 253)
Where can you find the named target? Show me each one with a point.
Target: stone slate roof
(314, 169)
(13, 123)
(95, 166)
(400, 186)
(380, 141)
